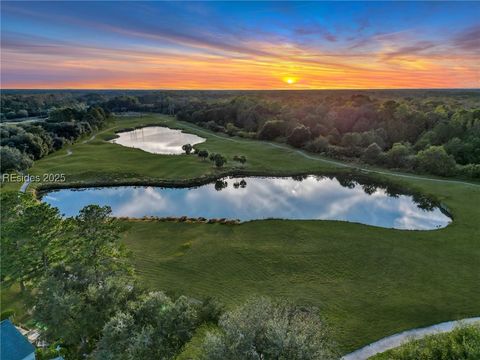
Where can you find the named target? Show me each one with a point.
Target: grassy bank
(98, 161)
(369, 282)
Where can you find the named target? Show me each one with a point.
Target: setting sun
(290, 80)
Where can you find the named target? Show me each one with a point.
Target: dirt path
(98, 133)
(88, 140)
(396, 340)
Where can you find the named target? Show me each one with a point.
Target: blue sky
(240, 44)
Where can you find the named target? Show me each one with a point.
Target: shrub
(373, 154)
(299, 136)
(218, 159)
(470, 170)
(240, 158)
(435, 160)
(262, 329)
(203, 154)
(272, 129)
(318, 145)
(399, 156)
(13, 159)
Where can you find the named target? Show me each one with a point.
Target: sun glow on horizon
(290, 80)
(105, 46)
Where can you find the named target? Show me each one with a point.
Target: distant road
(23, 120)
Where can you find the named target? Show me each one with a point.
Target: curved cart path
(396, 340)
(300, 152)
(24, 186)
(305, 155)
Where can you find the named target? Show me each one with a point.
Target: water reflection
(157, 140)
(306, 197)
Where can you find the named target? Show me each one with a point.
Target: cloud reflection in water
(286, 198)
(157, 140)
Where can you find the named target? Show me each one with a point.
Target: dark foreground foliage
(88, 303)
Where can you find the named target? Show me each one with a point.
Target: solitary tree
(203, 154)
(187, 148)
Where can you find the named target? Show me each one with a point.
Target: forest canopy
(427, 131)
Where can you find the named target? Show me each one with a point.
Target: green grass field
(368, 282)
(99, 161)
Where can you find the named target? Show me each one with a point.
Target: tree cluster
(396, 132)
(22, 143)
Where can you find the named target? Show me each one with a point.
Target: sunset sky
(248, 45)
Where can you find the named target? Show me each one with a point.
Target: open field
(369, 282)
(98, 161)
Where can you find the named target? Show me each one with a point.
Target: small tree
(299, 136)
(203, 154)
(240, 158)
(218, 159)
(267, 330)
(319, 144)
(153, 327)
(187, 148)
(399, 155)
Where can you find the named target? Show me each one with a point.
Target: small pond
(157, 140)
(251, 198)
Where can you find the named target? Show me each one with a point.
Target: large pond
(253, 198)
(157, 140)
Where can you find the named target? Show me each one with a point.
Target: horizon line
(274, 89)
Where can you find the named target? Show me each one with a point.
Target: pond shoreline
(347, 179)
(203, 180)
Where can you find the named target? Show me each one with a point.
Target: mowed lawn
(100, 161)
(368, 282)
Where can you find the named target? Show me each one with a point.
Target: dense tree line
(436, 137)
(402, 129)
(23, 143)
(87, 300)
(424, 131)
